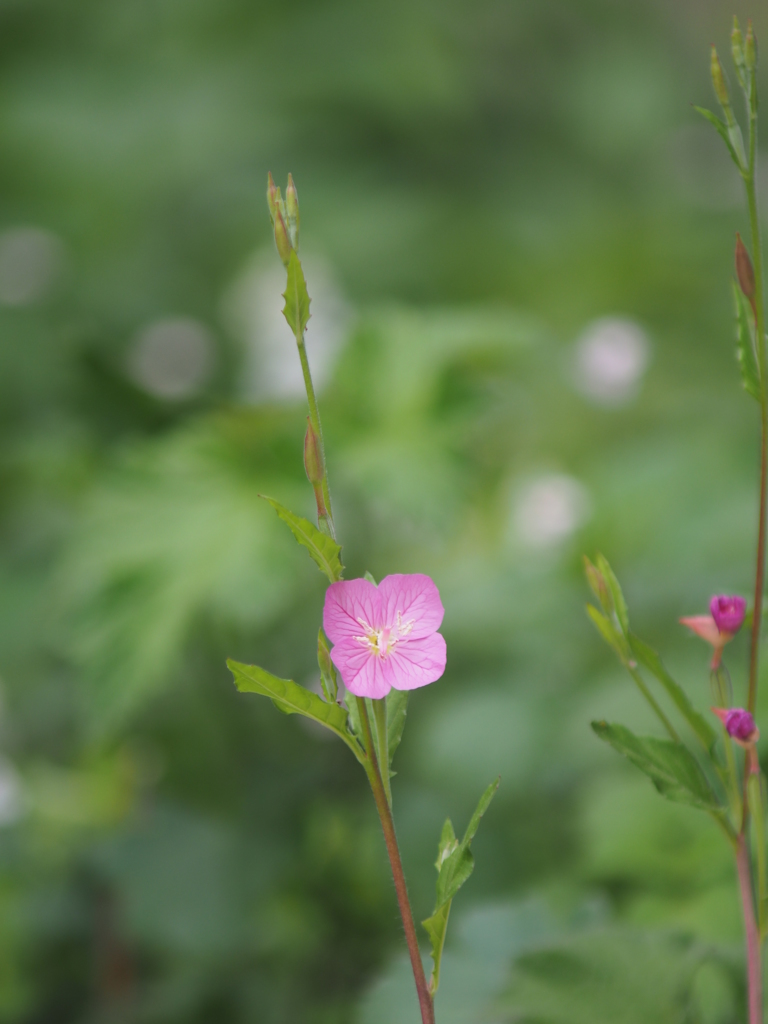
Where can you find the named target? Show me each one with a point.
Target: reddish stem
(754, 973)
(388, 826)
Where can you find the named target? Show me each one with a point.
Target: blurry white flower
(610, 359)
(30, 262)
(253, 310)
(172, 358)
(548, 509)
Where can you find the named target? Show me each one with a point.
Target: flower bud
(718, 79)
(292, 212)
(282, 239)
(313, 455)
(739, 724)
(744, 270)
(737, 44)
(598, 586)
(272, 194)
(750, 49)
(728, 612)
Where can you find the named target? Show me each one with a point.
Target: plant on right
(720, 772)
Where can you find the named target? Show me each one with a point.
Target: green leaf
(722, 131)
(672, 768)
(745, 349)
(397, 709)
(651, 660)
(454, 866)
(296, 309)
(608, 631)
(620, 605)
(292, 699)
(323, 549)
(328, 679)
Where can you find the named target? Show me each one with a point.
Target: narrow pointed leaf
(397, 709)
(722, 131)
(651, 660)
(296, 309)
(672, 768)
(454, 864)
(323, 549)
(292, 699)
(608, 631)
(745, 349)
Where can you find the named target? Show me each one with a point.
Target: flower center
(383, 642)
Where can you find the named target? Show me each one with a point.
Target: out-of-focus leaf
(619, 604)
(323, 549)
(296, 309)
(607, 631)
(745, 349)
(672, 768)
(651, 660)
(292, 699)
(611, 975)
(454, 866)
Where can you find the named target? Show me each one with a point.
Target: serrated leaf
(296, 309)
(672, 768)
(292, 699)
(397, 709)
(620, 605)
(722, 130)
(323, 549)
(651, 660)
(745, 349)
(454, 864)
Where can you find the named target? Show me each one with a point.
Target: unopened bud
(739, 724)
(598, 586)
(272, 193)
(718, 80)
(737, 45)
(744, 270)
(728, 612)
(282, 239)
(292, 212)
(313, 455)
(750, 49)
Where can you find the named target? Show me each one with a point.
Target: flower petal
(346, 603)
(360, 669)
(416, 598)
(415, 663)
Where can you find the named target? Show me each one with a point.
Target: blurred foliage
(480, 183)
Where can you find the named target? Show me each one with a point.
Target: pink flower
(385, 637)
(728, 612)
(740, 726)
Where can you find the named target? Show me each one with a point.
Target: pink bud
(728, 612)
(739, 724)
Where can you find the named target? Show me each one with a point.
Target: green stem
(388, 827)
(380, 717)
(654, 703)
(314, 415)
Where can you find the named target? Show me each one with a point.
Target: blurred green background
(518, 237)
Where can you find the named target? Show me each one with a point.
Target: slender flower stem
(755, 993)
(673, 733)
(381, 791)
(388, 826)
(314, 415)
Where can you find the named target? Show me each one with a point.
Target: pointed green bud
(744, 269)
(313, 455)
(292, 212)
(328, 679)
(598, 586)
(750, 48)
(737, 50)
(282, 239)
(718, 80)
(272, 193)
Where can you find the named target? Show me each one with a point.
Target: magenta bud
(728, 612)
(739, 724)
